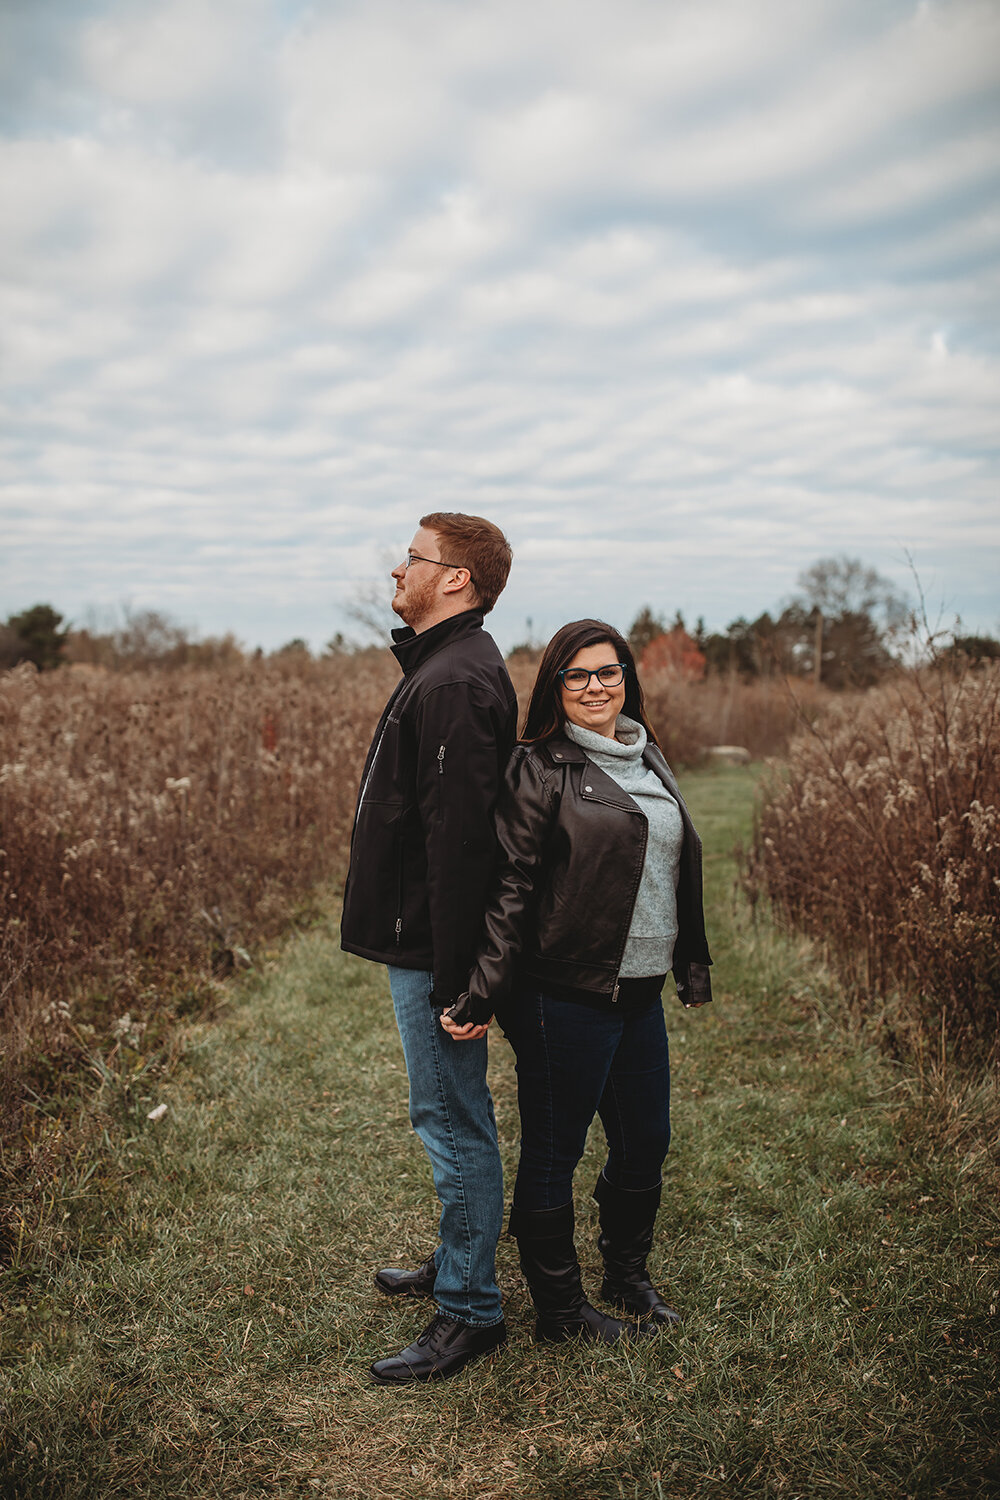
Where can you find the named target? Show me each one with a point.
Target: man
(422, 857)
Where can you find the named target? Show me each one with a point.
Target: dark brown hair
(544, 715)
(477, 545)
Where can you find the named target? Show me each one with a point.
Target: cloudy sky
(685, 294)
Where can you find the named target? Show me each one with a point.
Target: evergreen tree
(645, 628)
(34, 635)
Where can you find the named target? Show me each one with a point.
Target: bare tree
(369, 608)
(857, 616)
(844, 585)
(369, 604)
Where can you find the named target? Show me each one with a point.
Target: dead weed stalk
(880, 836)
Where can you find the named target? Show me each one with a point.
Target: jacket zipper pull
(614, 997)
(441, 761)
(399, 927)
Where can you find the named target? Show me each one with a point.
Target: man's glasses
(575, 679)
(412, 557)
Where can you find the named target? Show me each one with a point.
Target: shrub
(151, 823)
(762, 716)
(881, 837)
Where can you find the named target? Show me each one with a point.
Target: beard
(415, 602)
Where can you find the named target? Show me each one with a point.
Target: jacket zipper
(399, 882)
(631, 912)
(386, 717)
(399, 888)
(371, 768)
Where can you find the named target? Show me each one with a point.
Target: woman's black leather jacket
(572, 849)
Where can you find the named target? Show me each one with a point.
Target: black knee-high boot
(548, 1259)
(626, 1237)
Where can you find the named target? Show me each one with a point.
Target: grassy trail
(202, 1322)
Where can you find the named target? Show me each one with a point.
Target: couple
(552, 883)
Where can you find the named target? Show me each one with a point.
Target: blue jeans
(452, 1112)
(575, 1061)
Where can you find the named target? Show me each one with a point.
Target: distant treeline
(844, 628)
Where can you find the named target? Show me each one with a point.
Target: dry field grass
(151, 825)
(761, 716)
(154, 824)
(879, 835)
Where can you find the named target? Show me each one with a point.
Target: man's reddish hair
(470, 542)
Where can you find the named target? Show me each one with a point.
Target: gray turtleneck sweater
(650, 946)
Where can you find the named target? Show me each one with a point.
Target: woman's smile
(597, 707)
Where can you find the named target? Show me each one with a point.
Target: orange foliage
(674, 654)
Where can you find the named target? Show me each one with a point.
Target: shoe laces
(437, 1326)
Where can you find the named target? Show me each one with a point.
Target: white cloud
(686, 296)
(907, 183)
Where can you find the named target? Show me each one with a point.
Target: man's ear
(456, 584)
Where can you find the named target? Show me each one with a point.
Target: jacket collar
(411, 649)
(595, 783)
(563, 751)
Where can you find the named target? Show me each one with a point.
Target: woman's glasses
(575, 679)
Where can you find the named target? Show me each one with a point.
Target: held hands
(467, 1033)
(456, 1023)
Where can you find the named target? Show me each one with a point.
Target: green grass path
(203, 1320)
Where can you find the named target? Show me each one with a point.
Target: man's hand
(467, 1033)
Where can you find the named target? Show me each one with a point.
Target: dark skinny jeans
(577, 1060)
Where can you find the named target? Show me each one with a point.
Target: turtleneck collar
(628, 744)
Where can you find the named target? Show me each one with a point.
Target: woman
(597, 897)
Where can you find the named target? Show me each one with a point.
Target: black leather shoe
(418, 1283)
(444, 1348)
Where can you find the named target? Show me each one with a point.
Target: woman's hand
(467, 1033)
(459, 1020)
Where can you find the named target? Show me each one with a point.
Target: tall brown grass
(153, 824)
(880, 836)
(761, 716)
